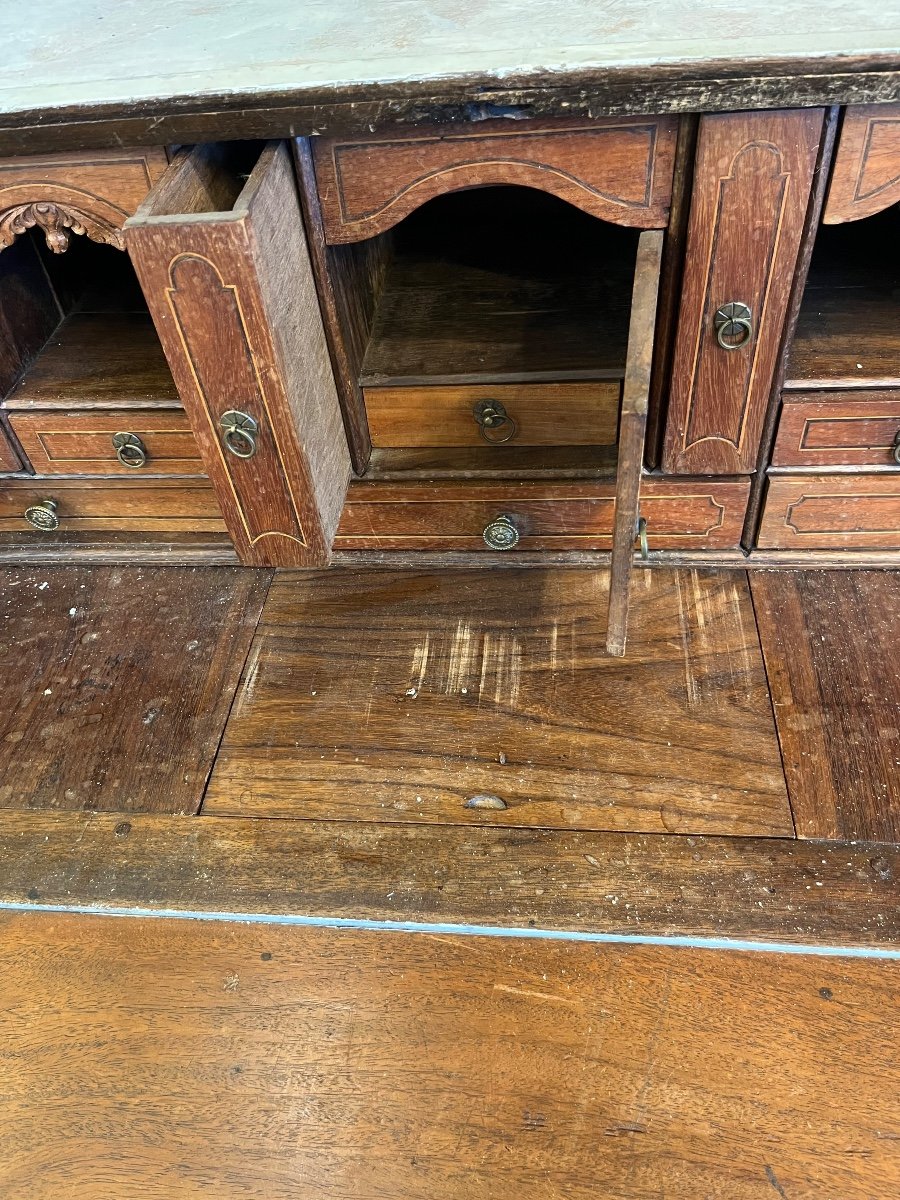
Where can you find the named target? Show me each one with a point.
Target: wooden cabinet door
(225, 268)
(752, 181)
(866, 174)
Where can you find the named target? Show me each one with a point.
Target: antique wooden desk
(435, 283)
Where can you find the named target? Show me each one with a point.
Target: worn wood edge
(103, 554)
(713, 890)
(658, 89)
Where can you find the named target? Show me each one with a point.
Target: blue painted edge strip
(495, 931)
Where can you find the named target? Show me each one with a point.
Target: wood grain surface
(159, 506)
(752, 180)
(772, 890)
(829, 641)
(839, 428)
(176, 1059)
(866, 175)
(831, 512)
(118, 682)
(475, 698)
(618, 169)
(81, 443)
(9, 456)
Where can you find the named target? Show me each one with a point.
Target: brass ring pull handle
(734, 325)
(895, 450)
(491, 416)
(239, 433)
(641, 533)
(130, 450)
(43, 516)
(501, 533)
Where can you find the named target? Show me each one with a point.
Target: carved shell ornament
(58, 222)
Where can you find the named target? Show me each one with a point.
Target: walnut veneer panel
(836, 429)
(752, 181)
(83, 192)
(680, 514)
(489, 699)
(118, 681)
(829, 639)
(866, 173)
(831, 512)
(619, 169)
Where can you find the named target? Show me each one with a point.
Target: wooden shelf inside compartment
(847, 332)
(484, 463)
(98, 360)
(502, 284)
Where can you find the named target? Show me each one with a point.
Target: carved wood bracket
(58, 222)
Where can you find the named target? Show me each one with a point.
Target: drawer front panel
(618, 168)
(93, 191)
(866, 174)
(160, 507)
(59, 443)
(545, 414)
(680, 514)
(831, 512)
(837, 429)
(751, 188)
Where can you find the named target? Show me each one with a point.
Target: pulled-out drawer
(108, 442)
(831, 512)
(511, 414)
(119, 506)
(680, 514)
(839, 429)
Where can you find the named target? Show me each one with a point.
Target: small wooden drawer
(831, 512)
(537, 414)
(681, 514)
(119, 506)
(82, 443)
(616, 168)
(92, 192)
(866, 175)
(839, 429)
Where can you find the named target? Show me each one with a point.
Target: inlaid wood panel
(118, 681)
(866, 173)
(81, 443)
(89, 193)
(829, 639)
(836, 429)
(281, 1063)
(227, 277)
(831, 512)
(752, 182)
(488, 698)
(114, 505)
(617, 168)
(544, 414)
(680, 514)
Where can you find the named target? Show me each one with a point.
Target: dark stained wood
(403, 696)
(81, 443)
(105, 547)
(866, 175)
(9, 457)
(277, 1063)
(645, 885)
(502, 284)
(98, 360)
(632, 431)
(545, 414)
(427, 464)
(829, 641)
(752, 182)
(831, 512)
(681, 514)
(75, 192)
(233, 299)
(847, 330)
(160, 506)
(118, 682)
(29, 311)
(841, 428)
(618, 169)
(348, 281)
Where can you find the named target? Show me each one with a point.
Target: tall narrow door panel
(752, 183)
(225, 268)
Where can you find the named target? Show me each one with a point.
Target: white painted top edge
(57, 53)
